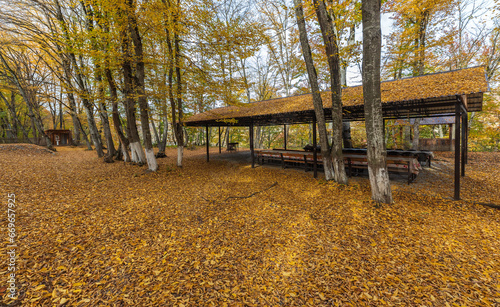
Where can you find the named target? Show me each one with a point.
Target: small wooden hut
(59, 137)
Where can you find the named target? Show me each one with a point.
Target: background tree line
(124, 74)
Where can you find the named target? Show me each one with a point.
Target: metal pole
(464, 148)
(457, 151)
(450, 136)
(284, 133)
(208, 144)
(251, 145)
(383, 129)
(466, 124)
(315, 152)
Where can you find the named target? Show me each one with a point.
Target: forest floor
(97, 234)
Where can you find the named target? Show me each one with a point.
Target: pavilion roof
(423, 96)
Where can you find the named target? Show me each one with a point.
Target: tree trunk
(377, 167)
(94, 134)
(137, 153)
(90, 17)
(258, 137)
(176, 104)
(77, 126)
(28, 95)
(407, 136)
(317, 100)
(346, 134)
(103, 113)
(16, 122)
(33, 127)
(416, 133)
(332, 54)
(155, 132)
(163, 142)
(140, 88)
(61, 117)
(440, 131)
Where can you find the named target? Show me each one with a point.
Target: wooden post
(457, 151)
(208, 144)
(284, 134)
(464, 148)
(315, 152)
(251, 145)
(220, 142)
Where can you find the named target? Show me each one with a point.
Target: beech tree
(333, 57)
(317, 100)
(376, 152)
(16, 67)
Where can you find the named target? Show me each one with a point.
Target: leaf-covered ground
(96, 234)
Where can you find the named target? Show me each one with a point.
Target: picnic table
(232, 146)
(353, 161)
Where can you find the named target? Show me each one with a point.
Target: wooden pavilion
(452, 93)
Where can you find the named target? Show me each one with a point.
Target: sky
(354, 73)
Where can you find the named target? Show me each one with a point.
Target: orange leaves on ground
(92, 233)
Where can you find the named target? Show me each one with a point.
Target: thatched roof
(423, 96)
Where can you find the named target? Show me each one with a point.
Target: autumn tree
(376, 152)
(333, 56)
(20, 69)
(317, 100)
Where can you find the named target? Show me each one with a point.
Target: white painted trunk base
(379, 182)
(126, 156)
(328, 167)
(150, 156)
(180, 152)
(137, 153)
(134, 157)
(339, 171)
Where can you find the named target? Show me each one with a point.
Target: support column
(208, 144)
(315, 152)
(450, 136)
(220, 142)
(383, 129)
(457, 151)
(284, 134)
(464, 148)
(466, 124)
(251, 145)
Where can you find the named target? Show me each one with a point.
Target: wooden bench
(399, 165)
(394, 165)
(293, 158)
(310, 160)
(261, 155)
